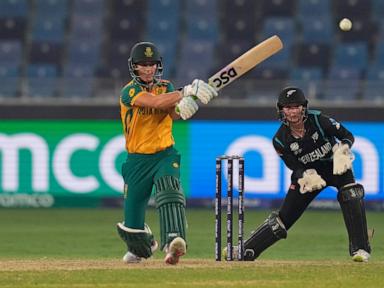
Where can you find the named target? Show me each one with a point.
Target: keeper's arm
(336, 129)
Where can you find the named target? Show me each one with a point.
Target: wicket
(218, 195)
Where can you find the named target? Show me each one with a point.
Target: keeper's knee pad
(266, 234)
(351, 202)
(170, 202)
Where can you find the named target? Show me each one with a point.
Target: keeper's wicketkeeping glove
(342, 158)
(311, 181)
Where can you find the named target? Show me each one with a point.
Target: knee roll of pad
(350, 192)
(277, 226)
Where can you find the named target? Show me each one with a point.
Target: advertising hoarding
(42, 162)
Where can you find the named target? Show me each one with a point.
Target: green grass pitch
(80, 248)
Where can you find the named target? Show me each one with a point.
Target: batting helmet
(145, 52)
(291, 96)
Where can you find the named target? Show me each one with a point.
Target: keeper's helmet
(291, 96)
(145, 52)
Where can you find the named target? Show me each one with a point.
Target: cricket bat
(246, 62)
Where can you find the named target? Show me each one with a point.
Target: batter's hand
(187, 107)
(201, 90)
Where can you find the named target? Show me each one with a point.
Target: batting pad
(170, 202)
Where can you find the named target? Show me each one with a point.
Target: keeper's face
(146, 71)
(294, 113)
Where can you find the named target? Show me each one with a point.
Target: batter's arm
(163, 101)
(173, 114)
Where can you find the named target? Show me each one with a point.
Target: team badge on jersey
(294, 146)
(335, 123)
(131, 92)
(175, 165)
(315, 136)
(160, 90)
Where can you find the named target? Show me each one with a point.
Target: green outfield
(80, 248)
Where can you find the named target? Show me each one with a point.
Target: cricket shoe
(130, 257)
(175, 250)
(361, 256)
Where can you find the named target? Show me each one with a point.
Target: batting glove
(201, 90)
(187, 107)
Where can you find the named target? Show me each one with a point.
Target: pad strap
(352, 205)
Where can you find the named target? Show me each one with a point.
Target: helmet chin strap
(146, 84)
(290, 123)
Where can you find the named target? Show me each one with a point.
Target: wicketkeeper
(317, 149)
(148, 107)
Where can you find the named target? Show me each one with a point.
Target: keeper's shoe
(129, 257)
(175, 250)
(361, 256)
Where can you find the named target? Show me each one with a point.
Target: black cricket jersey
(314, 149)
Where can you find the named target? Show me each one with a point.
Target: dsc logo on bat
(224, 77)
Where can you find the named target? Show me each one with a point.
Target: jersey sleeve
(129, 93)
(336, 129)
(170, 87)
(289, 159)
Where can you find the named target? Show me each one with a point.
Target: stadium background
(62, 64)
